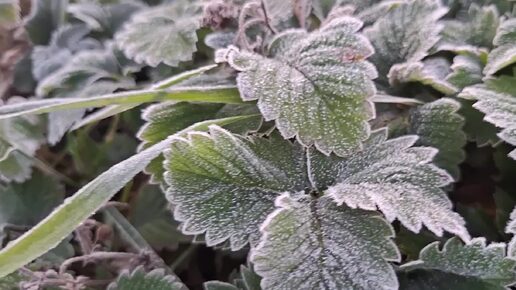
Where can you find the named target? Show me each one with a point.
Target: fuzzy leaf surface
(316, 244)
(163, 34)
(140, 280)
(316, 87)
(394, 177)
(440, 126)
(225, 185)
(496, 98)
(405, 34)
(504, 53)
(476, 264)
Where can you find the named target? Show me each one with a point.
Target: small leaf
(405, 34)
(396, 178)
(316, 87)
(166, 33)
(235, 183)
(140, 280)
(470, 32)
(218, 285)
(315, 244)
(466, 70)
(496, 98)
(44, 18)
(511, 229)
(476, 264)
(504, 53)
(430, 72)
(440, 126)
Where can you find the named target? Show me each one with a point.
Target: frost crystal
(316, 87)
(315, 244)
(395, 178)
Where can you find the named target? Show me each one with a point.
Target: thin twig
(95, 256)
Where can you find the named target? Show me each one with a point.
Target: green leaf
(466, 70)
(511, 229)
(405, 34)
(394, 177)
(104, 17)
(316, 87)
(470, 32)
(11, 282)
(246, 279)
(140, 280)
(496, 98)
(504, 53)
(314, 244)
(77, 208)
(439, 125)
(44, 18)
(431, 72)
(9, 12)
(476, 264)
(16, 167)
(151, 217)
(218, 285)
(166, 33)
(217, 94)
(235, 181)
(27, 203)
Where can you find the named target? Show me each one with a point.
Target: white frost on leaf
(485, 264)
(397, 179)
(511, 229)
(315, 244)
(316, 86)
(405, 34)
(496, 98)
(166, 33)
(504, 53)
(224, 185)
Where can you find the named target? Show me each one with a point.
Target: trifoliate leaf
(466, 70)
(504, 53)
(45, 17)
(151, 217)
(440, 126)
(225, 185)
(470, 33)
(140, 280)
(27, 203)
(511, 229)
(165, 34)
(311, 243)
(106, 17)
(405, 34)
(477, 265)
(430, 72)
(496, 98)
(395, 178)
(9, 12)
(316, 87)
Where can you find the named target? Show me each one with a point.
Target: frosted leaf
(162, 34)
(430, 72)
(511, 229)
(16, 167)
(140, 280)
(225, 185)
(474, 31)
(466, 70)
(279, 13)
(314, 244)
(484, 266)
(496, 98)
(504, 53)
(218, 285)
(395, 178)
(44, 18)
(439, 125)
(165, 119)
(246, 279)
(316, 87)
(106, 17)
(405, 33)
